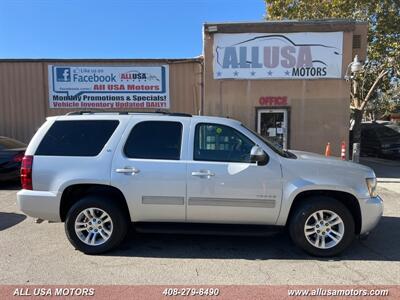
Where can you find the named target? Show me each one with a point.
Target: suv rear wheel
(322, 226)
(95, 225)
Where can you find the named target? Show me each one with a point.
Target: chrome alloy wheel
(324, 229)
(93, 226)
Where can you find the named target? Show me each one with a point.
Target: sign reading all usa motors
(108, 87)
(299, 55)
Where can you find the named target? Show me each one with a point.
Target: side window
(368, 134)
(215, 142)
(77, 138)
(155, 140)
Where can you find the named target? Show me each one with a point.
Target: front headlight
(386, 146)
(371, 184)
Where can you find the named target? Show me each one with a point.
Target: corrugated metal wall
(24, 91)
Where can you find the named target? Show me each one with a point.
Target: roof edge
(131, 60)
(291, 22)
(285, 26)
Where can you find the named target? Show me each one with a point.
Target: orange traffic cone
(328, 149)
(343, 151)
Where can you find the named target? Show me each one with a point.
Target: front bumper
(38, 204)
(371, 213)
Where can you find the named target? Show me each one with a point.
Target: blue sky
(114, 28)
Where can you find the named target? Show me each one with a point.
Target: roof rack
(88, 112)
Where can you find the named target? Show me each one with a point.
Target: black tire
(305, 210)
(118, 217)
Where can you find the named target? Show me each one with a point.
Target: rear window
(76, 138)
(7, 143)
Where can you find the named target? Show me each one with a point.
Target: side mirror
(257, 155)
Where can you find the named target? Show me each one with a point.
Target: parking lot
(40, 254)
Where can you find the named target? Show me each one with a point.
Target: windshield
(275, 147)
(394, 127)
(385, 131)
(7, 143)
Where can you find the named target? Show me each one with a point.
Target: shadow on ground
(8, 220)
(10, 185)
(382, 245)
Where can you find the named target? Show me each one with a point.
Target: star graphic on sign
(219, 74)
(236, 73)
(253, 73)
(287, 73)
(270, 73)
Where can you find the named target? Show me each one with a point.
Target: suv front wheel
(95, 225)
(322, 226)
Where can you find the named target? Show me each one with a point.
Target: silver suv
(98, 172)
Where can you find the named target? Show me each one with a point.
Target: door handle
(203, 173)
(128, 170)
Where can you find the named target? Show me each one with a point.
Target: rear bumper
(38, 204)
(371, 213)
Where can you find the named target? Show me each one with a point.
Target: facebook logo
(63, 74)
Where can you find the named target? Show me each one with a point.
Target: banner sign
(298, 55)
(273, 100)
(108, 87)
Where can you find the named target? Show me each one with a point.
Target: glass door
(272, 124)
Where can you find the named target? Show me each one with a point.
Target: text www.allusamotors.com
(339, 292)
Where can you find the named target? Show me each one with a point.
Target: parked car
(98, 172)
(394, 126)
(11, 154)
(378, 139)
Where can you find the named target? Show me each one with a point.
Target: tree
(381, 70)
(384, 104)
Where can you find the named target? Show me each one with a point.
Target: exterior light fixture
(355, 67)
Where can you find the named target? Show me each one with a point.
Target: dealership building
(283, 79)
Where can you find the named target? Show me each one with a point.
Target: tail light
(18, 158)
(26, 172)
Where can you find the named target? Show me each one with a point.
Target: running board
(207, 228)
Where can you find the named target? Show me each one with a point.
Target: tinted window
(7, 143)
(155, 140)
(368, 133)
(76, 138)
(215, 142)
(384, 131)
(394, 127)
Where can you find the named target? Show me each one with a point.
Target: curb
(388, 180)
